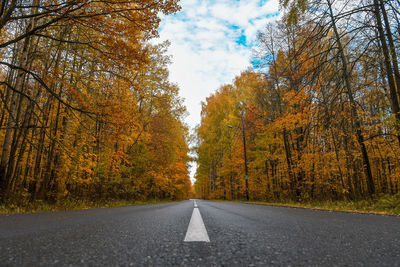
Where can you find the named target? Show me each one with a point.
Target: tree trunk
(392, 45)
(349, 90)
(394, 100)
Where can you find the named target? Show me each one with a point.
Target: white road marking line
(196, 231)
(195, 204)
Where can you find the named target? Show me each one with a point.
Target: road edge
(283, 205)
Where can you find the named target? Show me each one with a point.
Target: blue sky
(211, 43)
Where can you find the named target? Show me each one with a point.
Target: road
(239, 235)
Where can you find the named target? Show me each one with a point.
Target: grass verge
(70, 204)
(385, 204)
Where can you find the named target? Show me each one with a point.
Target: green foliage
(295, 8)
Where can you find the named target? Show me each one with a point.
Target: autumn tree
(82, 91)
(320, 116)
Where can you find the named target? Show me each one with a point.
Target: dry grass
(385, 204)
(69, 204)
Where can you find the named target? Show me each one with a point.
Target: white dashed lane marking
(196, 231)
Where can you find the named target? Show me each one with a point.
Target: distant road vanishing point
(199, 233)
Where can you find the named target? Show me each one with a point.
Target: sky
(211, 43)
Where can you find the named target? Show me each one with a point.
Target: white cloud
(205, 45)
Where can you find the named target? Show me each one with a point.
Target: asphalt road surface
(232, 234)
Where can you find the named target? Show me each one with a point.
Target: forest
(87, 110)
(317, 116)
